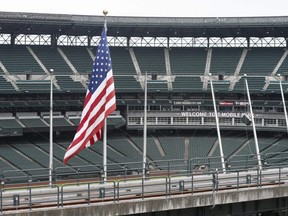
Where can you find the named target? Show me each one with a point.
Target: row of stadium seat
(33, 152)
(21, 60)
(31, 120)
(258, 61)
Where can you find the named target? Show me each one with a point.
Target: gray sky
(160, 8)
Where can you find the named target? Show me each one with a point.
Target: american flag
(99, 102)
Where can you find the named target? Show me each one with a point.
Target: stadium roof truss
(80, 30)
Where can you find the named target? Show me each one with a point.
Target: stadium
(194, 96)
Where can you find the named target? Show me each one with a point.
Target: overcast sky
(160, 8)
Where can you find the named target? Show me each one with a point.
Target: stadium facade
(179, 58)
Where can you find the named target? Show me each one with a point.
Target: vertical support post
(217, 125)
(51, 131)
(283, 101)
(145, 126)
(253, 124)
(105, 151)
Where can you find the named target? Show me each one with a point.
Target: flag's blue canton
(101, 65)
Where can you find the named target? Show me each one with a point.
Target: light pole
(51, 131)
(283, 101)
(217, 125)
(253, 124)
(145, 126)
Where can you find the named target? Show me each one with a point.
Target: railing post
(166, 186)
(209, 164)
(62, 191)
(55, 175)
(188, 167)
(279, 175)
(118, 190)
(192, 183)
(58, 198)
(78, 177)
(237, 180)
(168, 169)
(114, 191)
(143, 188)
(169, 186)
(1, 201)
(30, 198)
(259, 177)
(89, 198)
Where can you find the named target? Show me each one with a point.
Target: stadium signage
(187, 102)
(226, 103)
(212, 114)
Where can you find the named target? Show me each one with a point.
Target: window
(269, 122)
(134, 120)
(225, 121)
(164, 120)
(281, 122)
(209, 121)
(151, 120)
(179, 120)
(194, 120)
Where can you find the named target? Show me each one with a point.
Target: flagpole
(217, 125)
(105, 12)
(283, 101)
(105, 151)
(51, 131)
(253, 124)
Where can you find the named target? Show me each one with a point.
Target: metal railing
(127, 170)
(28, 197)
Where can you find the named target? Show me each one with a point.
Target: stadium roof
(59, 24)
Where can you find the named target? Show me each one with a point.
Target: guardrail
(30, 197)
(67, 174)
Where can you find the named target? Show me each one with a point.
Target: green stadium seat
(26, 64)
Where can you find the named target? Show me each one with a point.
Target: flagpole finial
(105, 12)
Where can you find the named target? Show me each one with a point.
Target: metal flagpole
(105, 12)
(253, 124)
(217, 124)
(145, 126)
(51, 131)
(105, 151)
(283, 101)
